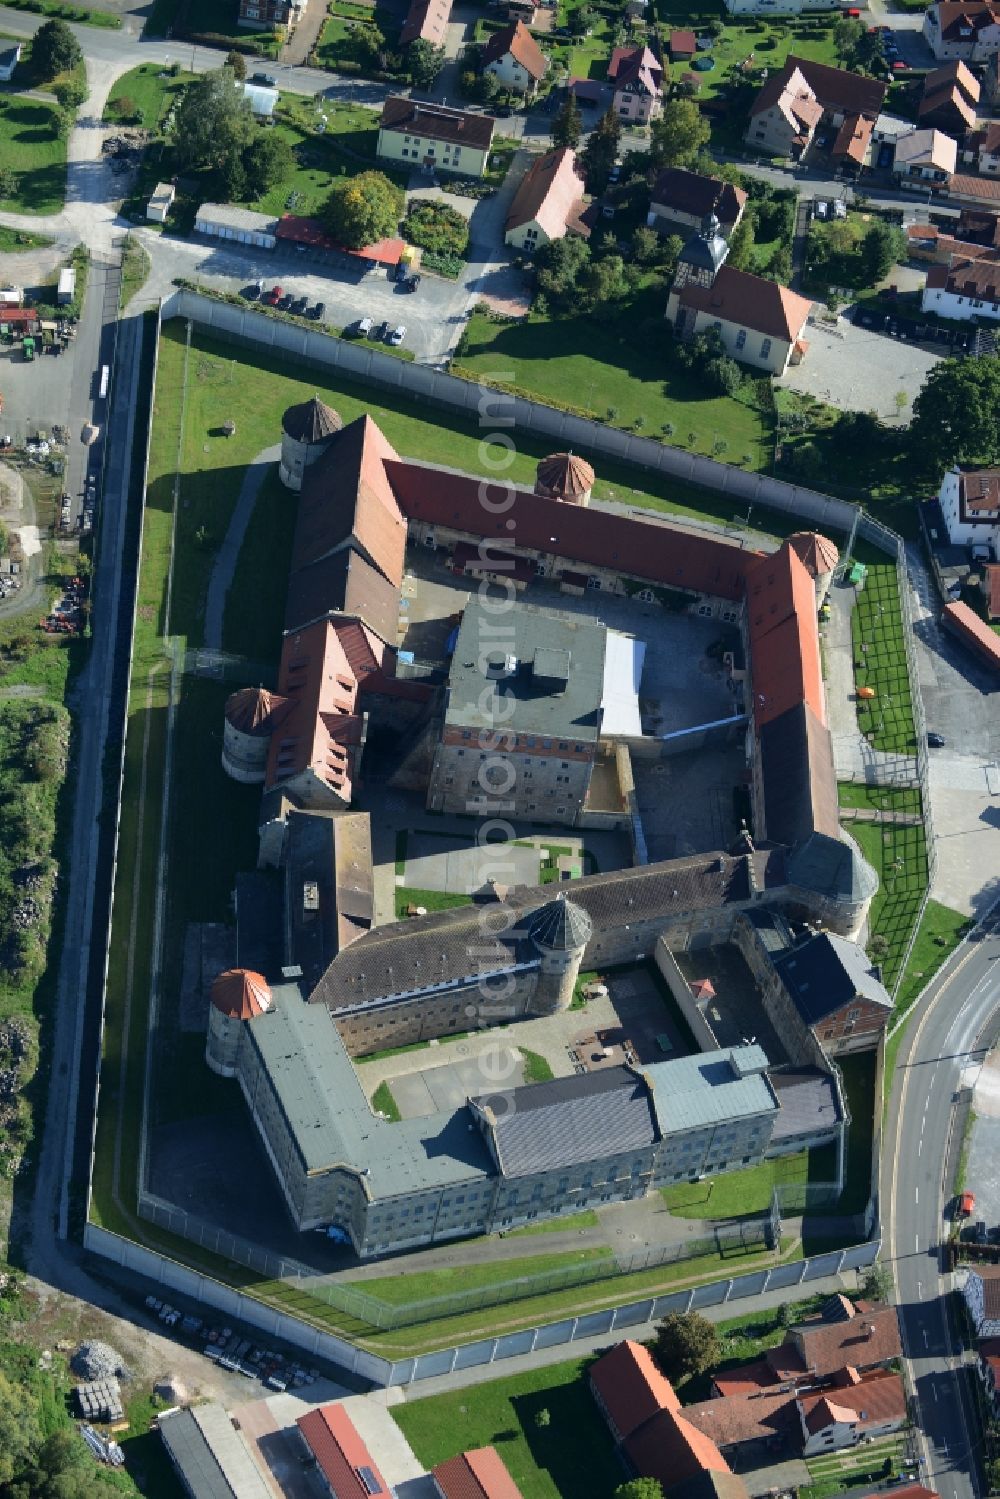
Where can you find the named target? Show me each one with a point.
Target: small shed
(243, 225)
(11, 296)
(683, 45)
(161, 202)
(9, 59)
(66, 290)
(263, 100)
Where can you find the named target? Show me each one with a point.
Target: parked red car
(274, 296)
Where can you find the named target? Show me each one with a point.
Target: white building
(263, 101)
(966, 288)
(781, 7)
(9, 60)
(161, 202)
(515, 59)
(223, 221)
(970, 507)
(954, 29)
(66, 289)
(853, 1411)
(928, 155)
(981, 1292)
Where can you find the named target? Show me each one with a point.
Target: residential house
(988, 1366)
(684, 200)
(477, 1474)
(434, 137)
(788, 110)
(520, 10)
(927, 155)
(836, 991)
(852, 144)
(949, 99)
(975, 232)
(991, 81)
(970, 31)
(265, 15)
(989, 151)
(343, 1465)
(858, 1335)
(991, 589)
(426, 21)
(759, 322)
(981, 1293)
(515, 59)
(969, 500)
(778, 7)
(749, 1428)
(9, 59)
(636, 77)
(966, 288)
(981, 191)
(683, 45)
(548, 204)
(851, 1411)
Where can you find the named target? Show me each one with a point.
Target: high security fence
(211, 1295)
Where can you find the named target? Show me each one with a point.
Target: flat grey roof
(549, 669)
(236, 218)
(210, 1455)
(808, 1100)
(710, 1088)
(329, 1116)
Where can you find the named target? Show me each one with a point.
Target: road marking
(920, 1290)
(916, 1194)
(920, 1144)
(916, 1243)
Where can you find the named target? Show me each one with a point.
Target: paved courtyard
(862, 371)
(983, 1169)
(456, 863)
(441, 1089)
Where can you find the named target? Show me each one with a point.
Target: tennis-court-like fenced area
(898, 854)
(877, 632)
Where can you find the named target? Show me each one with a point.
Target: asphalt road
(941, 1050)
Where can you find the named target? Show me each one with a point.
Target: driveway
(858, 369)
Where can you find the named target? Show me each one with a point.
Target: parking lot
(862, 369)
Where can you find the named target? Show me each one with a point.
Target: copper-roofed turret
(250, 710)
(311, 421)
(241, 993)
(251, 716)
(565, 476)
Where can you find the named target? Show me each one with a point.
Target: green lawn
(419, 1285)
(939, 933)
(345, 147)
(899, 857)
(152, 89)
(431, 900)
(30, 146)
(16, 241)
(567, 1224)
(769, 43)
(135, 270)
(577, 361)
(833, 1472)
(536, 1068)
(384, 1103)
(736, 1194)
(342, 39)
(877, 633)
(572, 1455)
(879, 798)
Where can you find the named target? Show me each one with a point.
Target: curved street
(941, 1053)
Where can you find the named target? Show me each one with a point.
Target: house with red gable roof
(969, 500)
(637, 77)
(477, 1474)
(344, 1465)
(515, 59)
(630, 1389)
(851, 1411)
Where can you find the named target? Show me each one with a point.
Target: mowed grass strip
(877, 633)
(31, 147)
(569, 1454)
(898, 854)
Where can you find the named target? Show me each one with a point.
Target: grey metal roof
(771, 930)
(570, 1120)
(210, 1455)
(809, 1101)
(826, 972)
(832, 866)
(710, 1088)
(329, 1116)
(561, 925)
(708, 249)
(517, 693)
(227, 216)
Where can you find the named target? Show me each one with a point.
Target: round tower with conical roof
(819, 555)
(306, 432)
(250, 718)
(560, 930)
(565, 476)
(237, 995)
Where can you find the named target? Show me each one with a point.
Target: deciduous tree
(54, 50)
(237, 65)
(640, 1488)
(740, 255)
(268, 160)
(956, 416)
(678, 135)
(214, 123)
(567, 126)
(686, 1344)
(424, 62)
(363, 209)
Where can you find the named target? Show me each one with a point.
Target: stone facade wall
(432, 1015)
(541, 785)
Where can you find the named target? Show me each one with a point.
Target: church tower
(698, 264)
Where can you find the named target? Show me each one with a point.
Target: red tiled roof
(816, 553)
(340, 1453)
(869, 1402)
(993, 592)
(25, 315)
(306, 231)
(784, 637)
(426, 21)
(853, 138)
(949, 97)
(979, 489)
(643, 549)
(346, 501)
(254, 710)
(437, 122)
(751, 302)
(631, 66)
(977, 276)
(550, 194)
(869, 1337)
(519, 42)
(240, 994)
(670, 1448)
(691, 193)
(562, 474)
(321, 731)
(684, 42)
(631, 1387)
(957, 18)
(478, 1474)
(745, 1418)
(984, 189)
(953, 72)
(745, 1379)
(835, 88)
